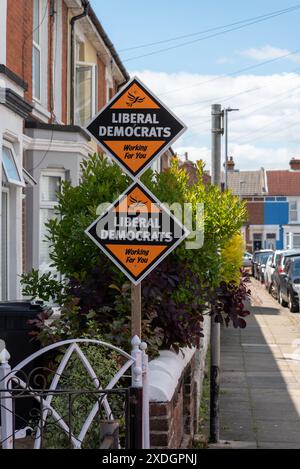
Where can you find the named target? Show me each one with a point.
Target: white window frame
(37, 46)
(47, 204)
(20, 183)
(6, 190)
(94, 90)
(294, 201)
(295, 234)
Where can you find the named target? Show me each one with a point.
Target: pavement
(260, 377)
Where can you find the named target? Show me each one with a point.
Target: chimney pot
(230, 164)
(295, 164)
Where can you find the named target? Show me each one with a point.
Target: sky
(202, 68)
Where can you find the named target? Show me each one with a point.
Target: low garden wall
(175, 394)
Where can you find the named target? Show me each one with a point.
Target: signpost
(136, 232)
(135, 128)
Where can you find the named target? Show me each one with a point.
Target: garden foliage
(175, 296)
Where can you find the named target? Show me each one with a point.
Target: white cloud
(269, 52)
(224, 60)
(266, 130)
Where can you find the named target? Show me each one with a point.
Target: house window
(85, 93)
(257, 241)
(271, 241)
(293, 211)
(4, 244)
(296, 241)
(50, 184)
(11, 168)
(36, 51)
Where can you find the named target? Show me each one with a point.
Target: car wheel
(281, 300)
(293, 307)
(278, 295)
(273, 291)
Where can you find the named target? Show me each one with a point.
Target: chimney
(230, 164)
(295, 164)
(186, 156)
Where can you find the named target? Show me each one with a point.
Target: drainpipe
(86, 7)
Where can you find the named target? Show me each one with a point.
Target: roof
(244, 183)
(283, 182)
(92, 15)
(191, 169)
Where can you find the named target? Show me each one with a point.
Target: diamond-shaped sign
(135, 127)
(137, 232)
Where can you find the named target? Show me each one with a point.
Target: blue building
(273, 202)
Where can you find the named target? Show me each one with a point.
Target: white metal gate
(16, 384)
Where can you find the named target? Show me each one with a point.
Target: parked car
(290, 284)
(256, 260)
(269, 270)
(247, 259)
(280, 269)
(261, 265)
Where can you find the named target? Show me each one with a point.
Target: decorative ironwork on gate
(93, 415)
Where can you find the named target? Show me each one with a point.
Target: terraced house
(57, 68)
(273, 202)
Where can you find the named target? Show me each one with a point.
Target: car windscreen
(264, 257)
(296, 268)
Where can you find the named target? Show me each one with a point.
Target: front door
(257, 245)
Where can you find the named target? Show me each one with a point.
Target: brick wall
(173, 422)
(175, 396)
(19, 40)
(255, 213)
(101, 84)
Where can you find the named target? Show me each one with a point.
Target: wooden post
(136, 310)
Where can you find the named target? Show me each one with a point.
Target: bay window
(12, 170)
(50, 183)
(11, 189)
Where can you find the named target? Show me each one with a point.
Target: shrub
(232, 259)
(175, 295)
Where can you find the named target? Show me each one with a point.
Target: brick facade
(173, 422)
(101, 84)
(255, 213)
(19, 40)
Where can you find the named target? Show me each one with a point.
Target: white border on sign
(160, 259)
(160, 152)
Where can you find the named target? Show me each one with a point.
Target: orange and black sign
(137, 232)
(135, 127)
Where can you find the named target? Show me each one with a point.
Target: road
(260, 377)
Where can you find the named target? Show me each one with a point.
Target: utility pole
(226, 111)
(216, 133)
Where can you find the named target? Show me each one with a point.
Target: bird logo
(136, 203)
(133, 99)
